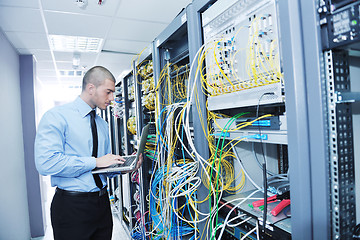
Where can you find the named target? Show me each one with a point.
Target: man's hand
(138, 164)
(140, 161)
(108, 160)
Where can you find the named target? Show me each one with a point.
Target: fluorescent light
(62, 43)
(71, 73)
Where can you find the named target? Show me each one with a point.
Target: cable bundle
(117, 107)
(132, 93)
(144, 70)
(179, 81)
(149, 101)
(131, 125)
(173, 199)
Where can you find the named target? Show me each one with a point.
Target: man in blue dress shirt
(64, 150)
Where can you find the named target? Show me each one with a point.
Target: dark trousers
(81, 217)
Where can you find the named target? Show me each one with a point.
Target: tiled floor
(119, 232)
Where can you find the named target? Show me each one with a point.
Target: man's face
(104, 94)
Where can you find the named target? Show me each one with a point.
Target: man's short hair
(97, 75)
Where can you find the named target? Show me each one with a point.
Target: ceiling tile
(84, 66)
(46, 73)
(125, 45)
(64, 65)
(30, 20)
(116, 63)
(115, 69)
(77, 25)
(107, 58)
(92, 8)
(67, 56)
(71, 81)
(135, 30)
(152, 10)
(48, 80)
(134, 24)
(87, 60)
(20, 3)
(28, 40)
(41, 55)
(44, 65)
(63, 56)
(24, 51)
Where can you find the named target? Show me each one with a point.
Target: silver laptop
(131, 160)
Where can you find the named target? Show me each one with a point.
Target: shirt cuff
(90, 163)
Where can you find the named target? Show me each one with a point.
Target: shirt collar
(82, 106)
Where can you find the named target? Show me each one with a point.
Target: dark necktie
(95, 146)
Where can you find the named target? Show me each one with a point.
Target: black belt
(81, 194)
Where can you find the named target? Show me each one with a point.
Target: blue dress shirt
(63, 146)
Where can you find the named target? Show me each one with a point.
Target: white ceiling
(127, 27)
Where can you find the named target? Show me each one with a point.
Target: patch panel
(273, 129)
(242, 54)
(272, 122)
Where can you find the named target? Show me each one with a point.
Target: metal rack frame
(307, 109)
(146, 54)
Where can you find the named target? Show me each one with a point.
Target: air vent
(63, 43)
(71, 73)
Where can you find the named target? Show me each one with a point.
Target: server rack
(307, 135)
(314, 108)
(128, 189)
(119, 187)
(112, 134)
(117, 110)
(308, 111)
(340, 43)
(217, 104)
(195, 38)
(171, 70)
(145, 112)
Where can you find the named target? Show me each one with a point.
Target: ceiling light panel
(71, 73)
(63, 43)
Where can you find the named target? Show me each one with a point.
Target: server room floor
(118, 232)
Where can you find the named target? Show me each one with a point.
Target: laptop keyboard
(129, 160)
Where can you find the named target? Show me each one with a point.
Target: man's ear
(91, 88)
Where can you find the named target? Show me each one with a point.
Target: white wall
(14, 216)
